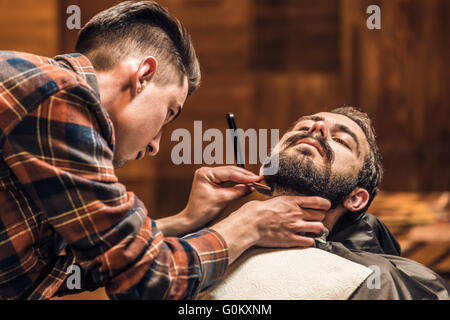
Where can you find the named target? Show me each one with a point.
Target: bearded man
(332, 155)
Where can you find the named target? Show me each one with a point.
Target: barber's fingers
(235, 192)
(228, 173)
(301, 241)
(308, 202)
(312, 215)
(313, 227)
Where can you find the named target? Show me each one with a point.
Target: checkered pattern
(61, 202)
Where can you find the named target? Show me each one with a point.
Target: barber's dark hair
(140, 29)
(372, 171)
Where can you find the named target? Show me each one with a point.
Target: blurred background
(271, 61)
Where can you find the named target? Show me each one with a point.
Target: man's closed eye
(340, 141)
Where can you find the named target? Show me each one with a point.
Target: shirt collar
(81, 65)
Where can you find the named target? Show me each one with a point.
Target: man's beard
(298, 175)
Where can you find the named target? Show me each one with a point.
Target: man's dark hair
(140, 29)
(372, 171)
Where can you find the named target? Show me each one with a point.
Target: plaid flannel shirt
(61, 203)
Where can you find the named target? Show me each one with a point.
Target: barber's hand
(279, 220)
(209, 196)
(276, 222)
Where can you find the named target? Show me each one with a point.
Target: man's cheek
(346, 166)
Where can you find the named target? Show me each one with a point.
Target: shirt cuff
(212, 251)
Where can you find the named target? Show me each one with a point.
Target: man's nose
(154, 144)
(319, 128)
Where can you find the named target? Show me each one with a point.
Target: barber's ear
(146, 70)
(357, 200)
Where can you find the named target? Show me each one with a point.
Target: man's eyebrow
(343, 128)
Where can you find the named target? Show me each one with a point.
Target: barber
(68, 122)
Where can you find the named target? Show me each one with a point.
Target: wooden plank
(398, 75)
(28, 27)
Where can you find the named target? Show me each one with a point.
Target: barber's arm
(63, 160)
(208, 198)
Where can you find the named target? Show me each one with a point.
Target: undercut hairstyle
(371, 173)
(141, 29)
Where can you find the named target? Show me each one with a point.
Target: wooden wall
(400, 76)
(30, 26)
(272, 61)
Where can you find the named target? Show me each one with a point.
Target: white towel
(290, 274)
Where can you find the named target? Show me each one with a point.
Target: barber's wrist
(176, 225)
(239, 233)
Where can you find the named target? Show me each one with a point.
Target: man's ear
(357, 200)
(146, 70)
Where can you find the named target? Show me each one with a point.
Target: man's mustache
(292, 140)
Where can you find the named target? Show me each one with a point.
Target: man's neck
(110, 90)
(332, 216)
(115, 84)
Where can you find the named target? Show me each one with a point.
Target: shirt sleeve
(60, 157)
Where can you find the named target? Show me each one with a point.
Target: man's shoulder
(386, 239)
(397, 277)
(364, 231)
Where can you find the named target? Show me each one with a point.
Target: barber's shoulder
(77, 73)
(27, 81)
(32, 79)
(35, 80)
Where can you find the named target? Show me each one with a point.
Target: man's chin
(277, 192)
(119, 163)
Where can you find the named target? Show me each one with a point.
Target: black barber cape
(364, 239)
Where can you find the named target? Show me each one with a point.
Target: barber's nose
(154, 145)
(319, 128)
